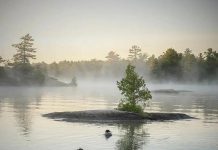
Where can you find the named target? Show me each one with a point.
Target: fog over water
(65, 56)
(23, 128)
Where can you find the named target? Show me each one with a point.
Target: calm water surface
(23, 128)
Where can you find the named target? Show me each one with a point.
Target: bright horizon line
(103, 58)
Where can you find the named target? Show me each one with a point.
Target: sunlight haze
(83, 30)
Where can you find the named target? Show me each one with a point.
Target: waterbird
(108, 133)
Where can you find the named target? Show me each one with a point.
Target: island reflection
(133, 136)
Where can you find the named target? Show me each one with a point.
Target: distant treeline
(170, 66)
(20, 72)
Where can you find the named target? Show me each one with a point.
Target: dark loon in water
(108, 133)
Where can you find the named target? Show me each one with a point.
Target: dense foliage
(170, 66)
(20, 71)
(134, 91)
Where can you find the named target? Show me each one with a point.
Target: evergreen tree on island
(134, 90)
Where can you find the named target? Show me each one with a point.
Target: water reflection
(133, 138)
(21, 110)
(202, 104)
(208, 106)
(23, 114)
(23, 101)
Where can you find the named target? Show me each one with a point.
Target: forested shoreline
(170, 66)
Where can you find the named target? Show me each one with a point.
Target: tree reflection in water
(24, 101)
(133, 138)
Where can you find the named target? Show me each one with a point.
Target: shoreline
(113, 116)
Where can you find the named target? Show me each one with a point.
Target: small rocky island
(113, 116)
(134, 91)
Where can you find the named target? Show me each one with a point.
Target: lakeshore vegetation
(170, 66)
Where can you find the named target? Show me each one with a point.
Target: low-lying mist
(111, 84)
(171, 67)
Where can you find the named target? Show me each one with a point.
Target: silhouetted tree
(25, 51)
(169, 64)
(22, 71)
(201, 67)
(189, 65)
(134, 53)
(112, 57)
(211, 63)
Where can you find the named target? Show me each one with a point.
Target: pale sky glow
(86, 29)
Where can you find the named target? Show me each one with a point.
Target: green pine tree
(134, 90)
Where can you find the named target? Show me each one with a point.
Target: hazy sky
(85, 29)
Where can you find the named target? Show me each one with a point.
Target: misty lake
(22, 126)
